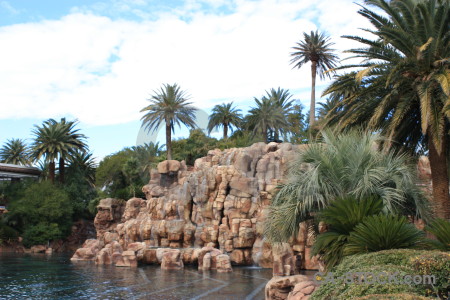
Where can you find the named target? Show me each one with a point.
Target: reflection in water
(37, 276)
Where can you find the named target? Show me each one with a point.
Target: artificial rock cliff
(216, 207)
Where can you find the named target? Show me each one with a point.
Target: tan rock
(171, 260)
(279, 287)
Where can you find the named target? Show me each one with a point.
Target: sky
(99, 61)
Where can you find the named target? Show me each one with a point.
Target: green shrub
(41, 233)
(7, 233)
(403, 261)
(437, 264)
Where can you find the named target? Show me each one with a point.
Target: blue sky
(98, 61)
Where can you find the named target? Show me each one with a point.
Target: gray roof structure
(9, 171)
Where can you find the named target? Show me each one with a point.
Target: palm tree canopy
(403, 84)
(344, 165)
(225, 114)
(169, 105)
(57, 139)
(16, 152)
(315, 47)
(280, 97)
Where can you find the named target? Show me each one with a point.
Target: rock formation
(296, 287)
(220, 202)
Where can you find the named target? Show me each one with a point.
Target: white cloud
(101, 70)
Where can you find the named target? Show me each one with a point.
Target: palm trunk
(265, 134)
(168, 141)
(61, 170)
(51, 171)
(439, 177)
(312, 107)
(225, 131)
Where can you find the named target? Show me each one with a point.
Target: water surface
(38, 276)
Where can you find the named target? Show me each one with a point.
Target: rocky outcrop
(221, 202)
(302, 290)
(289, 287)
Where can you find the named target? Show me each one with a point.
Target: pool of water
(37, 276)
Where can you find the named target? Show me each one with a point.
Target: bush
(41, 233)
(404, 261)
(7, 233)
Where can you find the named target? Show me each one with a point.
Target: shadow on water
(37, 276)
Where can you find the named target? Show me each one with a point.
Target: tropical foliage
(16, 152)
(441, 230)
(314, 48)
(401, 88)
(341, 217)
(383, 232)
(169, 105)
(343, 165)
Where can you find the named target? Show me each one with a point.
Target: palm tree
(267, 115)
(402, 86)
(281, 98)
(146, 155)
(314, 48)
(225, 115)
(169, 105)
(345, 165)
(84, 163)
(75, 142)
(16, 152)
(57, 140)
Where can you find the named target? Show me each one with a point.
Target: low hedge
(403, 261)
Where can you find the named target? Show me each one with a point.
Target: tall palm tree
(16, 152)
(57, 140)
(344, 165)
(225, 115)
(266, 116)
(314, 48)
(169, 105)
(403, 83)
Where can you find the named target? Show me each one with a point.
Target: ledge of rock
(296, 287)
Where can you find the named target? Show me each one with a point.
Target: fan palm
(403, 84)
(16, 152)
(57, 140)
(314, 48)
(267, 115)
(343, 165)
(169, 105)
(225, 115)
